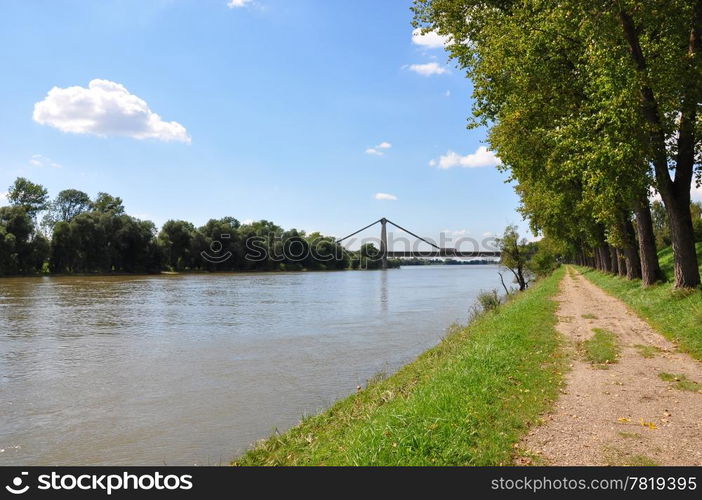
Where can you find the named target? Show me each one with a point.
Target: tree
(515, 255)
(106, 203)
(33, 198)
(176, 239)
(22, 251)
(68, 204)
(556, 84)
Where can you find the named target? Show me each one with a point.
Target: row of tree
(76, 234)
(592, 107)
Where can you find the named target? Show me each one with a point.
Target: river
(191, 369)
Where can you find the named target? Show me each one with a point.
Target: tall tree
(32, 197)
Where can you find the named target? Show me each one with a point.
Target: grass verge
(467, 401)
(681, 382)
(601, 348)
(675, 314)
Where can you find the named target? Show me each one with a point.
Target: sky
(321, 115)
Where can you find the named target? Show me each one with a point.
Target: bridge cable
(418, 237)
(360, 230)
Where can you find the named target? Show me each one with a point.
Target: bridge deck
(444, 252)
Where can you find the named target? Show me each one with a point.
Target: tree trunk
(631, 253)
(614, 266)
(687, 274)
(675, 193)
(604, 259)
(621, 267)
(650, 268)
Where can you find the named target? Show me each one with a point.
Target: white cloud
(104, 109)
(3, 198)
(429, 40)
(428, 69)
(456, 233)
(481, 158)
(696, 192)
(380, 149)
(43, 161)
(385, 196)
(235, 4)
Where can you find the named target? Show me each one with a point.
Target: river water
(191, 369)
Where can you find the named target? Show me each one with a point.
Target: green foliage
(546, 258)
(33, 198)
(582, 99)
(22, 250)
(516, 253)
(106, 203)
(467, 401)
(489, 301)
(68, 204)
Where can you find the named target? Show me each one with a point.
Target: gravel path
(624, 413)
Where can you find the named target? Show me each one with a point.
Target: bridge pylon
(384, 242)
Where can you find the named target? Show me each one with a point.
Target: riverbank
(467, 401)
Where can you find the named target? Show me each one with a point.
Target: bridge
(428, 254)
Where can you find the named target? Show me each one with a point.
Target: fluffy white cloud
(385, 196)
(428, 69)
(43, 161)
(481, 158)
(380, 149)
(235, 4)
(104, 109)
(429, 40)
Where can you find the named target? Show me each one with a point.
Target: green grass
(616, 457)
(647, 351)
(467, 401)
(675, 314)
(601, 348)
(681, 382)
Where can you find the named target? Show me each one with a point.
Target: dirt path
(623, 414)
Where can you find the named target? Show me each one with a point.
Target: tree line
(593, 107)
(74, 233)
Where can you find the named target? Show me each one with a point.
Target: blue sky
(298, 111)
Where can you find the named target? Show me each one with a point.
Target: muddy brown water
(192, 369)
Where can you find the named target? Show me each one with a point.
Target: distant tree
(176, 240)
(696, 211)
(22, 251)
(32, 197)
(661, 229)
(68, 204)
(545, 256)
(105, 203)
(515, 255)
